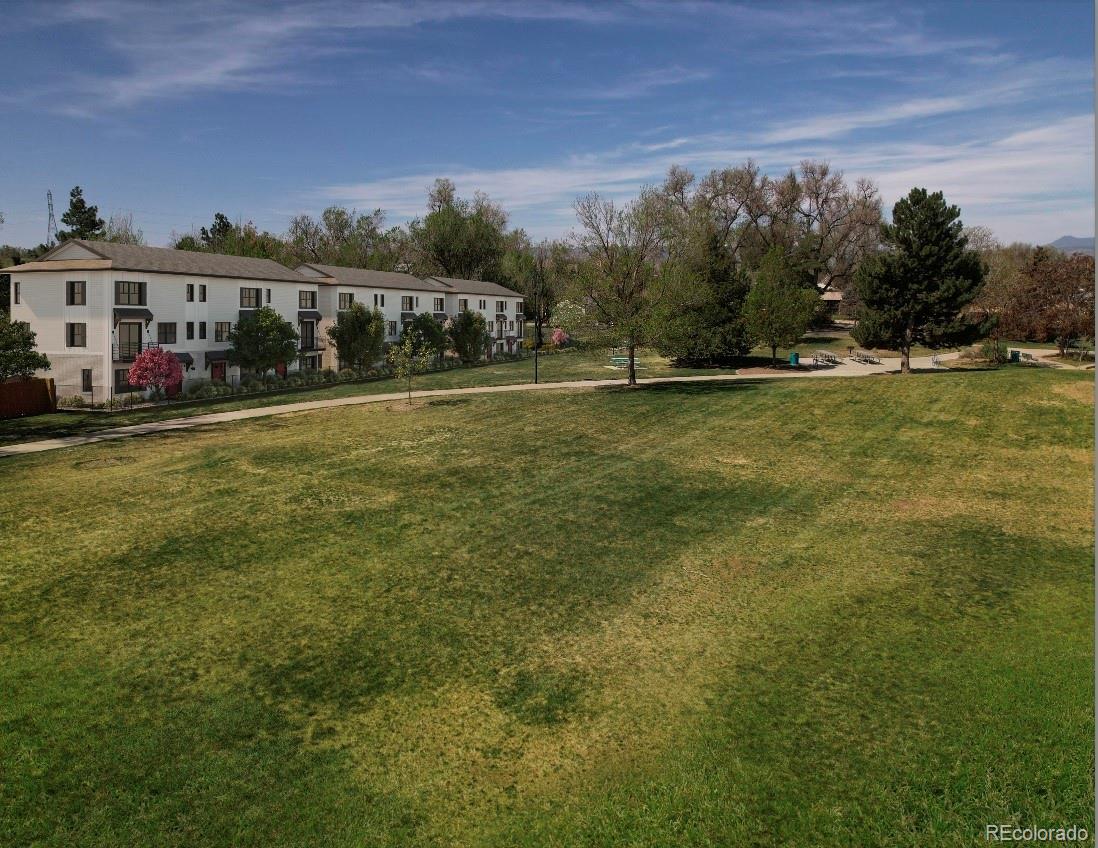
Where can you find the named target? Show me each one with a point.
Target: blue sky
(175, 111)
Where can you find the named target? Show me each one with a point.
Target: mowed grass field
(826, 612)
(565, 366)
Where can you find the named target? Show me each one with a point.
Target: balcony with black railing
(307, 345)
(128, 351)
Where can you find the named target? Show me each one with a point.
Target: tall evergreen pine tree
(916, 291)
(83, 220)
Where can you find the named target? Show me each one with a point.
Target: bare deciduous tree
(1053, 300)
(340, 237)
(617, 277)
(825, 226)
(121, 229)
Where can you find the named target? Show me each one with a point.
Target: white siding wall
(42, 305)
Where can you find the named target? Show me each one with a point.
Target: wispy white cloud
(827, 126)
(191, 47)
(1031, 184)
(640, 84)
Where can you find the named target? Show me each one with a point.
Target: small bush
(71, 402)
(348, 374)
(994, 351)
(372, 372)
(329, 375)
(194, 388)
(252, 383)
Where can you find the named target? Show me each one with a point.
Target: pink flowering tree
(156, 369)
(558, 337)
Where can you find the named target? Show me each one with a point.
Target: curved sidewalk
(846, 369)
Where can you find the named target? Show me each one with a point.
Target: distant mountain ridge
(1074, 244)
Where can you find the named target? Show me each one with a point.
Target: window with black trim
(122, 380)
(249, 298)
(202, 329)
(463, 304)
(392, 327)
(406, 304)
(346, 299)
(165, 332)
(15, 292)
(76, 293)
(190, 292)
(440, 304)
(221, 331)
(190, 330)
(76, 335)
(268, 296)
(201, 292)
(501, 306)
(306, 300)
(129, 294)
(85, 379)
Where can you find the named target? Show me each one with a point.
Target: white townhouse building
(500, 306)
(400, 297)
(96, 305)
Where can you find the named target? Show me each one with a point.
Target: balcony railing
(128, 351)
(311, 346)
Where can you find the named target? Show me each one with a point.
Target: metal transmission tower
(51, 225)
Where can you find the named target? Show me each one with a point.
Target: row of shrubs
(119, 401)
(269, 382)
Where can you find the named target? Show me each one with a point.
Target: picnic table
(866, 356)
(824, 357)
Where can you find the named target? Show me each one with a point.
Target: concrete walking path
(847, 368)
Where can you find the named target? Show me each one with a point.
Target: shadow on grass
(693, 389)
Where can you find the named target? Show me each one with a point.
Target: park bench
(1082, 349)
(824, 357)
(936, 361)
(619, 361)
(866, 356)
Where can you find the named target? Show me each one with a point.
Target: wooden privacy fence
(27, 397)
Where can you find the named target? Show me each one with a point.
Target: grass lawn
(557, 367)
(826, 612)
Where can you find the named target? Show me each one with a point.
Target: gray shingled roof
(165, 260)
(375, 279)
(476, 287)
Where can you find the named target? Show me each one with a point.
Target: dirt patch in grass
(1080, 390)
(405, 406)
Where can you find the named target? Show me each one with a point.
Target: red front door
(217, 372)
(280, 369)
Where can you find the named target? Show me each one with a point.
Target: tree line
(702, 268)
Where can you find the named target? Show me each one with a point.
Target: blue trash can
(794, 358)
